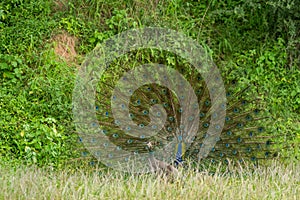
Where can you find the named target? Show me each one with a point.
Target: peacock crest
(139, 109)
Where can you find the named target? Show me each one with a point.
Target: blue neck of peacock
(179, 152)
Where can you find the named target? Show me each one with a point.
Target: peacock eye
(154, 127)
(153, 101)
(239, 140)
(267, 154)
(191, 118)
(236, 110)
(218, 127)
(145, 112)
(256, 111)
(206, 125)
(201, 115)
(248, 149)
(207, 102)
(260, 129)
(227, 119)
(119, 148)
(240, 125)
(171, 119)
(199, 91)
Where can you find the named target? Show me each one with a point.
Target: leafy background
(259, 41)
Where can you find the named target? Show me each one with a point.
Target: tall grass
(274, 182)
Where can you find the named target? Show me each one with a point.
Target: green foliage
(268, 69)
(280, 88)
(33, 91)
(35, 116)
(11, 67)
(256, 41)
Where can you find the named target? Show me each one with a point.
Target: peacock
(151, 110)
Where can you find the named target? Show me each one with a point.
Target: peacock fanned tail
(244, 136)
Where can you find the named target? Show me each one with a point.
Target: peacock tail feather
(243, 137)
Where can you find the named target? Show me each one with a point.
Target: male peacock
(143, 117)
(242, 137)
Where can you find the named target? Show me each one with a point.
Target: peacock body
(143, 117)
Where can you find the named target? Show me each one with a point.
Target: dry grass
(64, 46)
(274, 182)
(60, 5)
